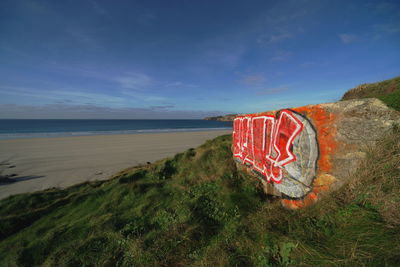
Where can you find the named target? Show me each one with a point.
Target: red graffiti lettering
(266, 143)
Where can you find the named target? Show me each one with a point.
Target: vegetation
(227, 117)
(388, 91)
(197, 209)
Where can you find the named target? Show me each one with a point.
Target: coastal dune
(42, 163)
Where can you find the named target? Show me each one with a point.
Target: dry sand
(43, 163)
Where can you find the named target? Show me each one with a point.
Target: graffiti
(283, 149)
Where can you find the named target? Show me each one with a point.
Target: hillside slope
(388, 91)
(197, 209)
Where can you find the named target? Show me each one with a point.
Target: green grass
(388, 91)
(197, 209)
(392, 100)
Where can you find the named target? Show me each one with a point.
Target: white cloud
(347, 38)
(83, 38)
(137, 81)
(146, 18)
(223, 51)
(62, 111)
(381, 30)
(274, 38)
(127, 87)
(253, 79)
(98, 8)
(76, 97)
(308, 64)
(178, 84)
(225, 56)
(271, 91)
(126, 97)
(281, 55)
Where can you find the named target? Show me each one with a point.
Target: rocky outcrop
(301, 152)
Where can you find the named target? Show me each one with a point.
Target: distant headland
(227, 117)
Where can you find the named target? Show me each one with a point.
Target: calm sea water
(10, 129)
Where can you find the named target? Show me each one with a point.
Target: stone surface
(300, 165)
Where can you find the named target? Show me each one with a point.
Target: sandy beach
(42, 163)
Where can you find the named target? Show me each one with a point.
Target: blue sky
(188, 59)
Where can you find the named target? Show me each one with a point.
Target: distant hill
(388, 91)
(228, 117)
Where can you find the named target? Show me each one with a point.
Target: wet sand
(42, 163)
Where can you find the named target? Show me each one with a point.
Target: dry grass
(377, 180)
(388, 91)
(373, 89)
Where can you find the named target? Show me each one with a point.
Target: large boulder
(301, 152)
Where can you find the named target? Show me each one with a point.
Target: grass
(388, 91)
(392, 100)
(197, 209)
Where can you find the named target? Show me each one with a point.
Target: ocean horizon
(42, 128)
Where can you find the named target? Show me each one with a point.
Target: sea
(20, 128)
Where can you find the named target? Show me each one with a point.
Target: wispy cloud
(270, 103)
(385, 8)
(229, 58)
(65, 95)
(77, 96)
(347, 38)
(84, 38)
(128, 86)
(253, 79)
(100, 10)
(308, 64)
(127, 79)
(36, 7)
(271, 91)
(133, 80)
(146, 18)
(386, 29)
(163, 107)
(178, 84)
(281, 55)
(223, 51)
(61, 111)
(274, 38)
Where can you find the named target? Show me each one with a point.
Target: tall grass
(197, 209)
(388, 91)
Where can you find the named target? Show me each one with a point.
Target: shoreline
(42, 163)
(12, 136)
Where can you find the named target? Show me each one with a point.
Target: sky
(188, 59)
